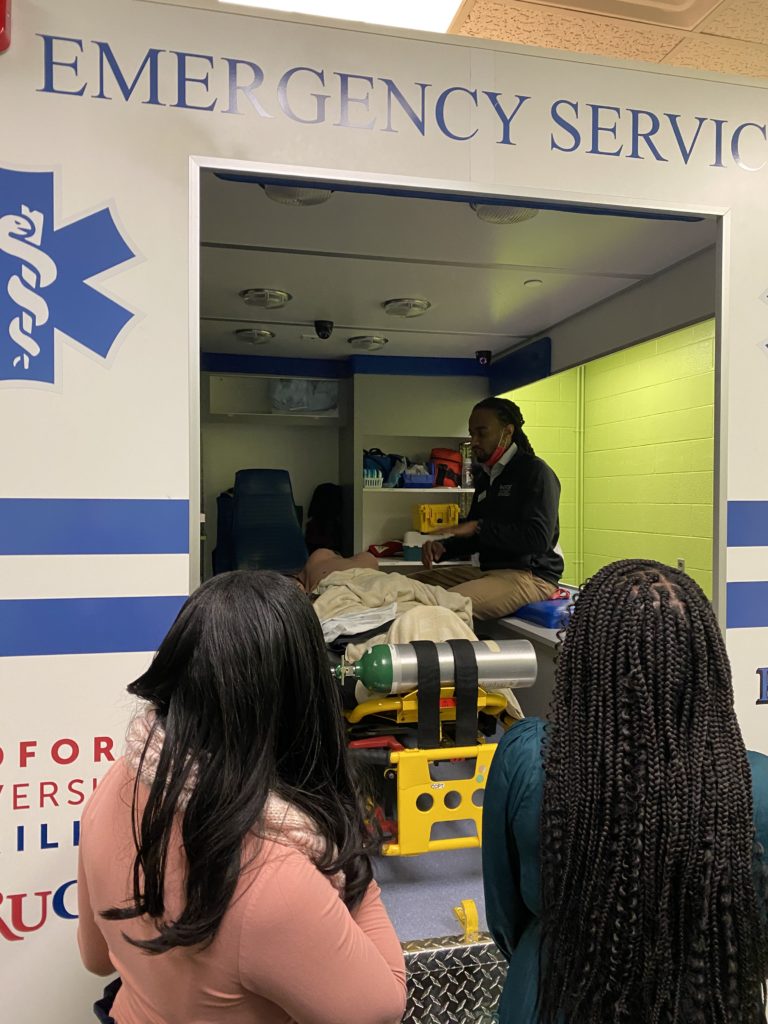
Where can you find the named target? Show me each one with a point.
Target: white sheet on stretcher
(357, 622)
(356, 590)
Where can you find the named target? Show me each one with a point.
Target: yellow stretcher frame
(421, 800)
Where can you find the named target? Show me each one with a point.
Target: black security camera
(483, 357)
(324, 329)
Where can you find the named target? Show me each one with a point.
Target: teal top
(511, 817)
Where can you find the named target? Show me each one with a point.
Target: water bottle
(466, 465)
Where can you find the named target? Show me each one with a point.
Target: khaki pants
(495, 593)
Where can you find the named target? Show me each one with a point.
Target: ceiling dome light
(492, 213)
(288, 195)
(533, 282)
(254, 335)
(265, 298)
(369, 342)
(406, 307)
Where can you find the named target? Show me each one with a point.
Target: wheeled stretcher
(422, 717)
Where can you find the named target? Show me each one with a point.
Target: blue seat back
(265, 528)
(223, 556)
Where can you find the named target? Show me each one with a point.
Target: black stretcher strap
(465, 691)
(428, 669)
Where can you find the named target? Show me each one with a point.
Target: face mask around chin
(502, 447)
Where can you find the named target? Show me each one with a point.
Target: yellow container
(428, 518)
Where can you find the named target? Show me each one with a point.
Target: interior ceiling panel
(467, 301)
(218, 336)
(343, 259)
(725, 36)
(443, 232)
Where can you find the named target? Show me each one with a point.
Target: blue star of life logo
(44, 275)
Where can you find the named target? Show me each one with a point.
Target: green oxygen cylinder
(392, 668)
(375, 669)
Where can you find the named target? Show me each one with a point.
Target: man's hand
(431, 551)
(468, 529)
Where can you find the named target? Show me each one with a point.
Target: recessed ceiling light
(254, 335)
(265, 298)
(406, 307)
(369, 342)
(533, 282)
(493, 213)
(288, 195)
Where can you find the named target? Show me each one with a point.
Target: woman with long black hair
(623, 843)
(223, 864)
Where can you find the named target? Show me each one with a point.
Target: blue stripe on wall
(276, 366)
(747, 605)
(87, 625)
(418, 366)
(523, 366)
(747, 524)
(93, 526)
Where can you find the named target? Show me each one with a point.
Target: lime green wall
(649, 453)
(639, 480)
(551, 411)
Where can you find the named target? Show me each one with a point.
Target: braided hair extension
(653, 887)
(509, 414)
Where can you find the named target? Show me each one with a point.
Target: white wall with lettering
(108, 109)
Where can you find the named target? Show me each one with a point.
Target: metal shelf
(285, 419)
(418, 490)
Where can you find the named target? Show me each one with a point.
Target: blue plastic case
(549, 614)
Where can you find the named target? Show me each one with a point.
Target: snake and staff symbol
(21, 236)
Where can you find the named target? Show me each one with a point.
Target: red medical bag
(447, 464)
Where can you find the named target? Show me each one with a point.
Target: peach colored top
(287, 950)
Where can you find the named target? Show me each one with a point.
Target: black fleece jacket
(519, 522)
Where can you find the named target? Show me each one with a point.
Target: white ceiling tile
(724, 56)
(559, 29)
(684, 14)
(740, 19)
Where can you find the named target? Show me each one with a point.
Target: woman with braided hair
(623, 844)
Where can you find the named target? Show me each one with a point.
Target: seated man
(512, 527)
